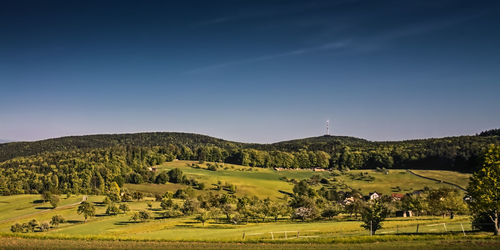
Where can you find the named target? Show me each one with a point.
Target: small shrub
(56, 220)
(17, 228)
(32, 225)
(44, 227)
(166, 203)
(145, 215)
(112, 209)
(172, 213)
(124, 208)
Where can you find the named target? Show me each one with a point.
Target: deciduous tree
(484, 188)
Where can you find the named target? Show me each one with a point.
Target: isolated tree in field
(112, 209)
(166, 203)
(203, 217)
(54, 200)
(484, 188)
(46, 196)
(56, 220)
(114, 192)
(44, 227)
(145, 215)
(87, 209)
(373, 215)
(124, 208)
(175, 175)
(135, 216)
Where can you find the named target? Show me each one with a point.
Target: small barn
(397, 197)
(374, 196)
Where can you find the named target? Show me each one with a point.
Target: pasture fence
(456, 228)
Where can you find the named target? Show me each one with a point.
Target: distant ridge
(327, 143)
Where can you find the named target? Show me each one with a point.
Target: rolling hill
(87, 164)
(450, 153)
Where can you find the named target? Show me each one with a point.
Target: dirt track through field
(84, 198)
(432, 179)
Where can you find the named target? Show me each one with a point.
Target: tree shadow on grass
(44, 208)
(186, 226)
(218, 226)
(38, 201)
(99, 204)
(124, 223)
(416, 219)
(75, 221)
(104, 215)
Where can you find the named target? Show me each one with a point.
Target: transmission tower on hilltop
(327, 127)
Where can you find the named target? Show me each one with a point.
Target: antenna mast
(327, 127)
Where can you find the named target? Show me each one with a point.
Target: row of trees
(35, 226)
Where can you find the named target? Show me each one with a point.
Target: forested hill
(452, 153)
(15, 149)
(88, 164)
(327, 142)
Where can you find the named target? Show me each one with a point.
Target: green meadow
(249, 181)
(264, 182)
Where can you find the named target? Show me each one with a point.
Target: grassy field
(461, 179)
(378, 243)
(249, 181)
(267, 182)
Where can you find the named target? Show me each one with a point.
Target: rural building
(397, 197)
(374, 196)
(348, 200)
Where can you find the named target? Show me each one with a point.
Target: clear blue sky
(253, 71)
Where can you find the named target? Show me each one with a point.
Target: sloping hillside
(15, 149)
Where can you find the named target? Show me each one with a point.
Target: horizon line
(6, 141)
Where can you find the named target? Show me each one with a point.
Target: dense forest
(87, 164)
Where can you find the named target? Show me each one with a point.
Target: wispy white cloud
(358, 42)
(426, 27)
(297, 52)
(279, 12)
